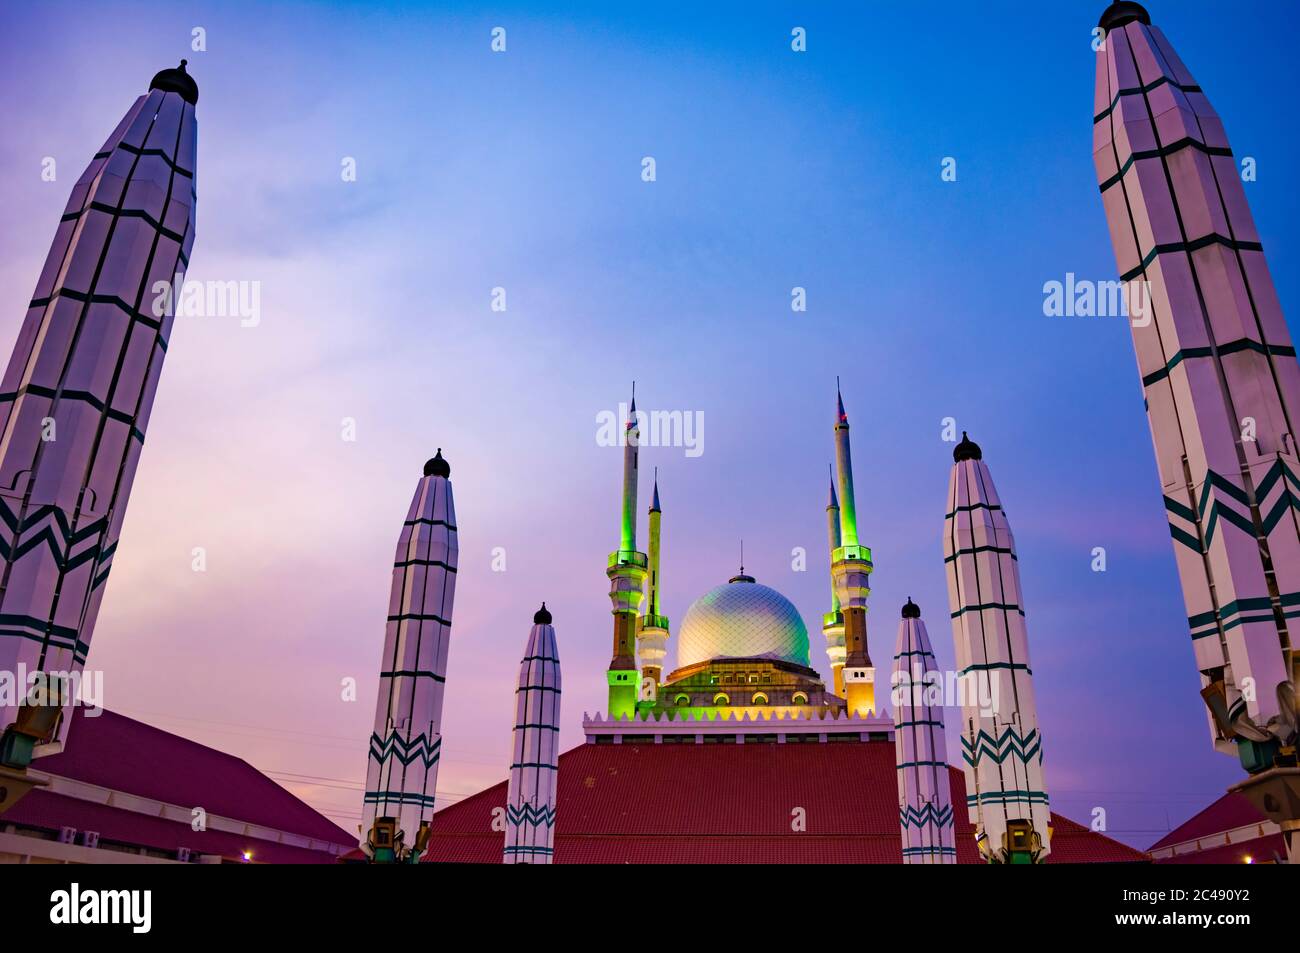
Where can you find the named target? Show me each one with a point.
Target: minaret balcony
(627, 557)
(855, 553)
(654, 622)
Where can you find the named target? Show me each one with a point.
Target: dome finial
(438, 466)
(1121, 13)
(741, 576)
(177, 80)
(968, 449)
(542, 616)
(911, 610)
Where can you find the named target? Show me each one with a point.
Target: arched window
(758, 699)
(682, 700)
(721, 699)
(799, 698)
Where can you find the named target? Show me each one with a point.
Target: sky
(286, 449)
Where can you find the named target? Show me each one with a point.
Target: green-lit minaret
(626, 571)
(851, 571)
(844, 463)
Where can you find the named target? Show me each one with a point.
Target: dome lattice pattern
(742, 619)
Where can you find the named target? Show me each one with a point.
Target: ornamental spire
(1214, 354)
(924, 788)
(402, 769)
(89, 372)
(535, 758)
(1001, 745)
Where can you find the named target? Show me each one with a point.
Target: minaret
(402, 773)
(1001, 746)
(1221, 387)
(631, 448)
(530, 801)
(924, 792)
(833, 621)
(626, 570)
(77, 394)
(652, 642)
(851, 571)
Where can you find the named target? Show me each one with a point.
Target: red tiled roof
(1229, 812)
(691, 803)
(53, 811)
(125, 755)
(1261, 849)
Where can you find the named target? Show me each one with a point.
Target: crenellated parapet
(746, 726)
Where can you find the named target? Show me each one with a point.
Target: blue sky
(522, 170)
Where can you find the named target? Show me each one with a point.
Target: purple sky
(523, 170)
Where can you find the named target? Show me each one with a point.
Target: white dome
(742, 619)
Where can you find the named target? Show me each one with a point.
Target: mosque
(741, 752)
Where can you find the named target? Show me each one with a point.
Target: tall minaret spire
(924, 790)
(402, 771)
(530, 794)
(626, 571)
(631, 441)
(652, 640)
(833, 621)
(844, 464)
(851, 571)
(76, 399)
(1222, 393)
(1001, 746)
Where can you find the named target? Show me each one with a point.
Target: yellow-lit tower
(652, 641)
(833, 621)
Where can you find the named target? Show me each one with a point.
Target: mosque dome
(742, 619)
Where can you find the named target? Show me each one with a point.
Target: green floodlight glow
(849, 522)
(628, 539)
